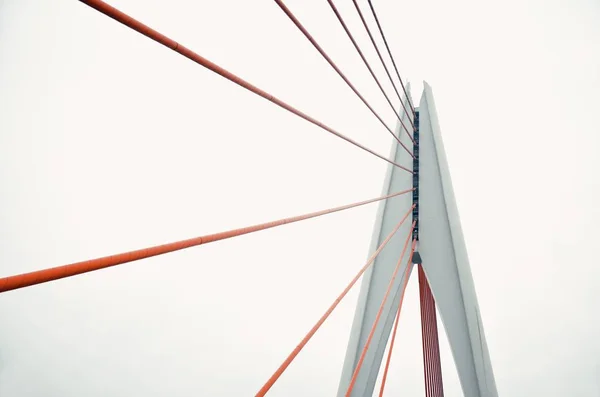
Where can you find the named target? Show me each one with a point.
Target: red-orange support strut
(387, 292)
(55, 273)
(314, 329)
(431, 349)
(147, 31)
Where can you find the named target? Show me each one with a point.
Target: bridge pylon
(444, 266)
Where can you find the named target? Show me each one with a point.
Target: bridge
(417, 230)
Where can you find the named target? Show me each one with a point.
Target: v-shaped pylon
(444, 262)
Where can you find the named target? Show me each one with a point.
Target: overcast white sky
(111, 142)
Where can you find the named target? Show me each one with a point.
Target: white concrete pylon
(445, 262)
(376, 279)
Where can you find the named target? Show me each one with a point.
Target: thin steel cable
(147, 31)
(380, 311)
(364, 22)
(430, 347)
(267, 386)
(362, 56)
(55, 273)
(312, 40)
(391, 349)
(391, 57)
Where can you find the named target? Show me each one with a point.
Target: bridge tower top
(442, 257)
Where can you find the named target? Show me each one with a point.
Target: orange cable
(380, 311)
(55, 273)
(389, 356)
(314, 329)
(147, 31)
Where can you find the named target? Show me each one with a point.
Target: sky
(110, 142)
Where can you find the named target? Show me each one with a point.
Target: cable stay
(429, 328)
(364, 59)
(431, 348)
(391, 349)
(364, 22)
(312, 40)
(316, 327)
(378, 316)
(56, 273)
(391, 57)
(147, 31)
